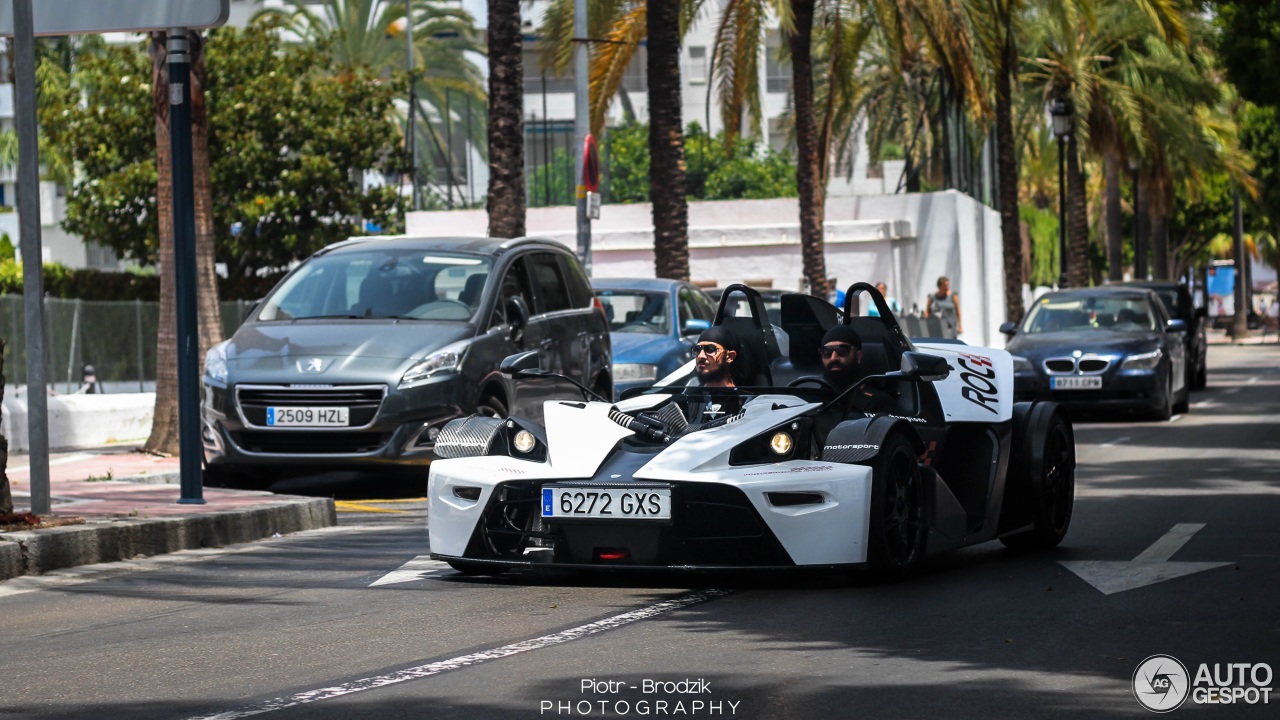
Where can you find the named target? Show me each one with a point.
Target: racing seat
(805, 319)
(754, 371)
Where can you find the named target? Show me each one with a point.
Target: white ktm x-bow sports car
(928, 452)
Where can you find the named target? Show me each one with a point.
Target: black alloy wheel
(1052, 480)
(898, 529)
(491, 406)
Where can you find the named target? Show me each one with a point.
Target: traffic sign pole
(184, 269)
(581, 121)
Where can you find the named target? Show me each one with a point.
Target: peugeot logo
(314, 365)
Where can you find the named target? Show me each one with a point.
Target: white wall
(82, 421)
(906, 241)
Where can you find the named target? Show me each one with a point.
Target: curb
(34, 552)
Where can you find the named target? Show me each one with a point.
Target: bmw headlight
(1021, 364)
(442, 361)
(1143, 361)
(215, 362)
(630, 372)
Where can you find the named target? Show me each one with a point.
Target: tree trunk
(666, 143)
(506, 201)
(1007, 182)
(165, 426)
(1160, 245)
(164, 422)
(207, 307)
(808, 164)
(1077, 220)
(1115, 238)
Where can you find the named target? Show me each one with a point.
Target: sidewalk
(129, 502)
(1255, 337)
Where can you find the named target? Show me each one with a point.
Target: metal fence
(117, 338)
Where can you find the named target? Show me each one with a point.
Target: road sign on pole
(86, 17)
(591, 164)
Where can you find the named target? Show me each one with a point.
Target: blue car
(652, 326)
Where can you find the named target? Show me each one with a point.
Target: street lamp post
(1139, 242)
(1061, 112)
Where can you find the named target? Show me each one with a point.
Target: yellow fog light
(780, 443)
(524, 441)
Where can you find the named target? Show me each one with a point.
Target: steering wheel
(815, 380)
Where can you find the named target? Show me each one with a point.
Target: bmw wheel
(491, 406)
(898, 529)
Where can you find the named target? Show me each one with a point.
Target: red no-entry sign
(590, 165)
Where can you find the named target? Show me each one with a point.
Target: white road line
(1231, 391)
(435, 668)
(1117, 441)
(416, 569)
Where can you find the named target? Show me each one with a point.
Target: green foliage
(1043, 227)
(743, 171)
(6, 248)
(1250, 46)
(289, 147)
(1260, 135)
(90, 284)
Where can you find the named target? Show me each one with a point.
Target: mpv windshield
(1083, 314)
(382, 283)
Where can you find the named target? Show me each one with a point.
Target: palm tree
(666, 143)
(164, 437)
(507, 202)
(364, 36)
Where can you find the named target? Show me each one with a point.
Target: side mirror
(520, 363)
(694, 326)
(1176, 325)
(1009, 329)
(517, 315)
(924, 367)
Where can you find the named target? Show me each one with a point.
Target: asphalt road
(350, 622)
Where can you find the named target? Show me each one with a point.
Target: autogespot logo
(1161, 683)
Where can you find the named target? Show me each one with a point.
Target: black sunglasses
(843, 350)
(710, 349)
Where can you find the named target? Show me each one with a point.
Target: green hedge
(88, 284)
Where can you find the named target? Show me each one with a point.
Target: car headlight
(524, 441)
(781, 443)
(1021, 364)
(444, 360)
(1143, 361)
(215, 362)
(629, 372)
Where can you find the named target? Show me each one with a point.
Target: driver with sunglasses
(716, 358)
(842, 365)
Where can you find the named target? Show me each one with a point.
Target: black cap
(721, 336)
(844, 334)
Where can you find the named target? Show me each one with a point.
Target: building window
(636, 78)
(777, 73)
(697, 64)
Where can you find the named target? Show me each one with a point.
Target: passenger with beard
(842, 366)
(716, 358)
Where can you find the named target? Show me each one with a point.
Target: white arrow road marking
(1151, 566)
(462, 661)
(416, 569)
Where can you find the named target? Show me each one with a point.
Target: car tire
(1164, 410)
(899, 525)
(1183, 405)
(1202, 377)
(1045, 456)
(491, 406)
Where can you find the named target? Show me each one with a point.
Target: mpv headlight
(1144, 361)
(444, 360)
(215, 362)
(627, 372)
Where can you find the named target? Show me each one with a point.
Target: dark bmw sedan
(1101, 349)
(362, 353)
